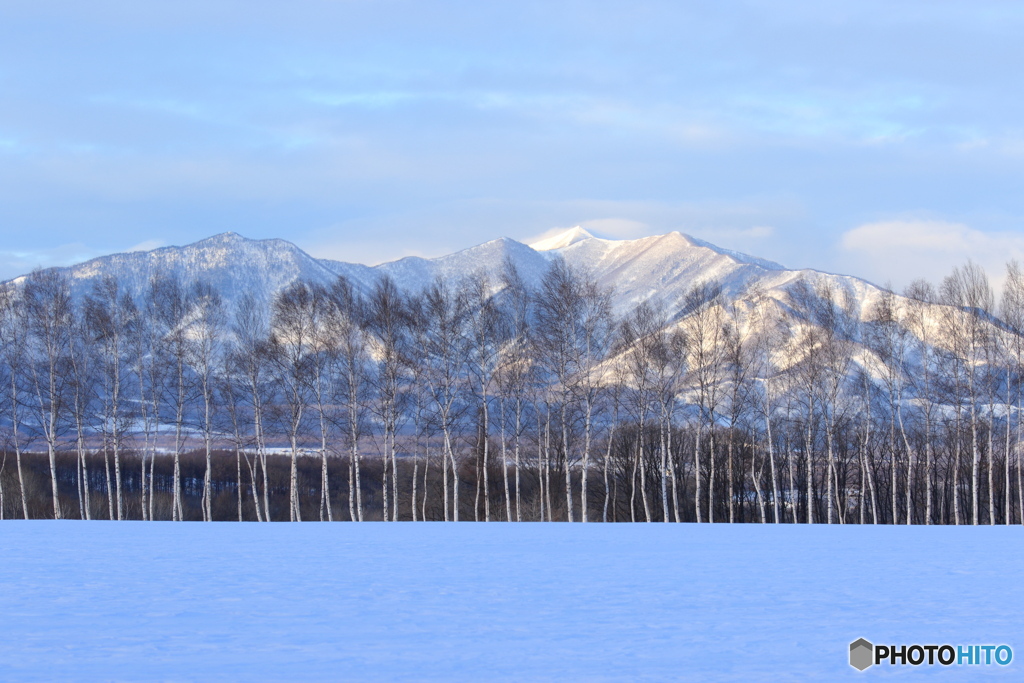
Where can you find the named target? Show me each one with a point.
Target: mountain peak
(562, 239)
(224, 237)
(730, 253)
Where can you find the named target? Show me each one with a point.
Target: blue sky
(883, 139)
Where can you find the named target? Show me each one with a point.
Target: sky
(883, 139)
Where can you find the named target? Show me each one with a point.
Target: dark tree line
(487, 399)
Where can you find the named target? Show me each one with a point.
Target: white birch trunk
(207, 475)
(455, 476)
(771, 461)
(607, 460)
(696, 469)
(504, 461)
(663, 451)
(568, 469)
(487, 489)
(711, 471)
(293, 482)
(519, 500)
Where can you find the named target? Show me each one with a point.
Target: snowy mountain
(661, 267)
(231, 263)
(415, 273)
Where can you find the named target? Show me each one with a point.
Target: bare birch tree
(968, 291)
(291, 342)
(205, 330)
(1012, 310)
(442, 314)
(387, 321)
(171, 308)
(251, 331)
(514, 373)
(49, 318)
(354, 378)
(13, 346)
(704, 326)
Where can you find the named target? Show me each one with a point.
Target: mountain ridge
(657, 267)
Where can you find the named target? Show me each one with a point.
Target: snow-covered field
(473, 602)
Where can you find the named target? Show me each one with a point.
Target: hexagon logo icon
(862, 654)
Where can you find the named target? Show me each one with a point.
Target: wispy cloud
(902, 250)
(424, 128)
(147, 245)
(368, 252)
(17, 262)
(732, 235)
(617, 228)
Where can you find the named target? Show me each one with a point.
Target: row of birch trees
(512, 402)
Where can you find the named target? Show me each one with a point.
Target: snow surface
(663, 268)
(562, 239)
(505, 602)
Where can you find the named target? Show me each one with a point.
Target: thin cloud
(930, 236)
(902, 250)
(15, 263)
(723, 235)
(147, 245)
(617, 228)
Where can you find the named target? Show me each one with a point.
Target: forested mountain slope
(663, 267)
(660, 378)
